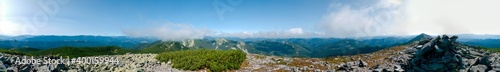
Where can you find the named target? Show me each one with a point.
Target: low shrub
(215, 60)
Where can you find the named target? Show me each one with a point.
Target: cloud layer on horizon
(180, 31)
(290, 33)
(169, 31)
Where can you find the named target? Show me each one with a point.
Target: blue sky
(109, 17)
(179, 19)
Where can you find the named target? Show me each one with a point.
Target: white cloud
(296, 31)
(452, 16)
(169, 31)
(290, 33)
(176, 31)
(349, 20)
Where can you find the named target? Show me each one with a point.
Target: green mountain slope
(278, 49)
(344, 47)
(159, 46)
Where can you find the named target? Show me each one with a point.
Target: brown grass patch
(378, 57)
(244, 64)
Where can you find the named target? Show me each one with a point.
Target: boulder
(377, 70)
(478, 68)
(344, 67)
(362, 63)
(486, 60)
(398, 68)
(2, 66)
(453, 38)
(427, 47)
(437, 67)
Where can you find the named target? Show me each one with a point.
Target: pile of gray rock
(356, 66)
(444, 54)
(439, 54)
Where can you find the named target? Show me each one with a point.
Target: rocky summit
(439, 54)
(442, 54)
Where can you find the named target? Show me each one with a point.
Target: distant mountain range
(50, 41)
(488, 43)
(478, 36)
(292, 47)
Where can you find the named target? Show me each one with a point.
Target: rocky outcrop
(439, 54)
(444, 54)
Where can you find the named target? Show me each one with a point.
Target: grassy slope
(24, 49)
(11, 52)
(163, 47)
(491, 49)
